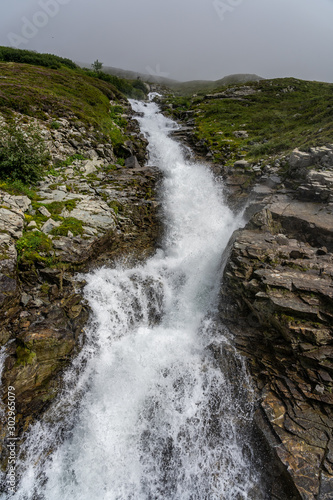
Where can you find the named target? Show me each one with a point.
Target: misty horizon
(181, 40)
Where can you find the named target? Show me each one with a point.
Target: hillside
(197, 86)
(258, 119)
(183, 88)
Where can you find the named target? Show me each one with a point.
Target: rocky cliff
(277, 299)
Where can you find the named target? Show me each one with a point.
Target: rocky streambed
(276, 295)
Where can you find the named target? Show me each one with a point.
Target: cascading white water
(147, 413)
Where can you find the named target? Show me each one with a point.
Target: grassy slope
(283, 114)
(36, 90)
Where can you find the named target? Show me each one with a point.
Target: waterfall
(147, 412)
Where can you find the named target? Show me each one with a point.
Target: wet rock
(277, 298)
(241, 164)
(132, 162)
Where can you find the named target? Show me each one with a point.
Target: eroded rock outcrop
(277, 298)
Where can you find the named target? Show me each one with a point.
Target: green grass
(18, 188)
(69, 224)
(131, 88)
(276, 120)
(31, 244)
(65, 93)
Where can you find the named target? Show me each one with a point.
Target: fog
(180, 39)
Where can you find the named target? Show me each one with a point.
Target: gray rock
(241, 134)
(23, 202)
(12, 222)
(95, 213)
(49, 225)
(55, 195)
(300, 159)
(44, 211)
(92, 154)
(132, 162)
(90, 166)
(25, 299)
(241, 164)
(38, 302)
(89, 230)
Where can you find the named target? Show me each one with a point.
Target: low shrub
(22, 154)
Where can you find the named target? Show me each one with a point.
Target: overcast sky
(181, 39)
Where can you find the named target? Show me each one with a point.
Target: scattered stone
(92, 154)
(25, 299)
(241, 164)
(49, 225)
(300, 159)
(241, 134)
(44, 211)
(132, 162)
(89, 230)
(12, 221)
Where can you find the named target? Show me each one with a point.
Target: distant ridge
(154, 77)
(193, 86)
(189, 87)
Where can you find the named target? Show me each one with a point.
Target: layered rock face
(277, 299)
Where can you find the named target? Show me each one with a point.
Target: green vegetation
(45, 86)
(127, 87)
(22, 154)
(70, 159)
(116, 206)
(75, 226)
(55, 125)
(131, 88)
(24, 356)
(205, 86)
(97, 66)
(18, 187)
(9, 54)
(65, 93)
(278, 116)
(31, 244)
